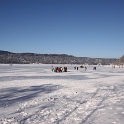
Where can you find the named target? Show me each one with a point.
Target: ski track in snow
(32, 94)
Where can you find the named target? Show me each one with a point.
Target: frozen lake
(32, 94)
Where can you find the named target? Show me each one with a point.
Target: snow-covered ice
(32, 94)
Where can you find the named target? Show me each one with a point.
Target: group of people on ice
(64, 69)
(76, 68)
(59, 69)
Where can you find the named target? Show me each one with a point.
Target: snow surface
(32, 94)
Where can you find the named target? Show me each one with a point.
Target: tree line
(29, 58)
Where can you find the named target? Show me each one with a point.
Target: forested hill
(120, 61)
(5, 52)
(28, 58)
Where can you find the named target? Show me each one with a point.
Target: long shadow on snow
(9, 96)
(116, 90)
(98, 106)
(51, 104)
(74, 77)
(81, 103)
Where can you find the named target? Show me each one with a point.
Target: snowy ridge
(30, 58)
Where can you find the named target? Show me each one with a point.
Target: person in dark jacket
(94, 68)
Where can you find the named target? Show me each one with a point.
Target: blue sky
(83, 28)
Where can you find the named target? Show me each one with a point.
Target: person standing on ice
(94, 68)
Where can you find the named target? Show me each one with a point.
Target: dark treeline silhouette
(119, 61)
(28, 58)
